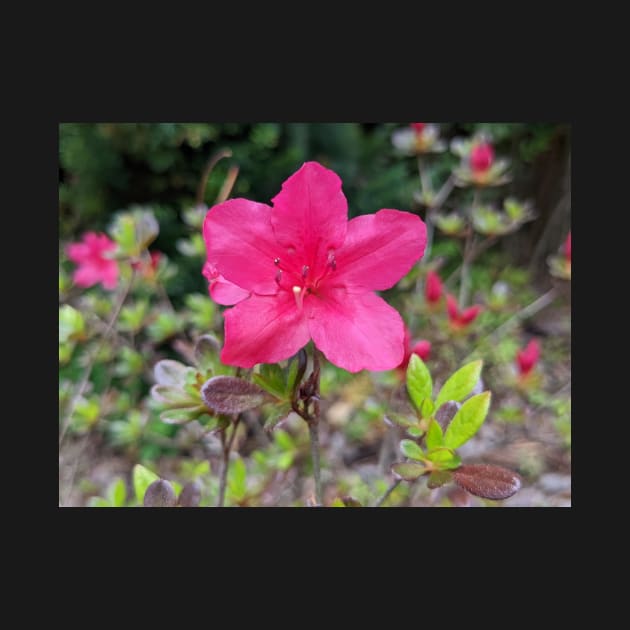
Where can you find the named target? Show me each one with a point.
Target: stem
(228, 184)
(389, 490)
(224, 153)
(227, 447)
(309, 393)
(88, 368)
(531, 309)
(313, 432)
(464, 284)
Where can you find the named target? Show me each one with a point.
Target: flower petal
(310, 213)
(379, 249)
(470, 314)
(356, 331)
(222, 291)
(452, 308)
(241, 244)
(263, 329)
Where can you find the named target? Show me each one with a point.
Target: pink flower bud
(567, 247)
(527, 358)
(481, 157)
(422, 349)
(433, 288)
(418, 127)
(461, 319)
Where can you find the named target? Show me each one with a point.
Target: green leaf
(98, 502)
(338, 503)
(467, 420)
(410, 449)
(142, 479)
(408, 471)
(237, 479)
(71, 324)
(398, 420)
(183, 414)
(117, 493)
(460, 384)
(415, 432)
(419, 383)
(173, 397)
(284, 440)
(438, 478)
(172, 373)
(273, 379)
(445, 458)
(207, 349)
(434, 438)
(427, 409)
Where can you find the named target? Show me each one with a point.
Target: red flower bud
(461, 319)
(527, 358)
(418, 127)
(422, 349)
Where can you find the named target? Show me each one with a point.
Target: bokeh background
(106, 168)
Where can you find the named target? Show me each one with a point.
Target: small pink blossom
(481, 157)
(461, 319)
(433, 288)
(300, 270)
(527, 358)
(93, 266)
(422, 348)
(418, 127)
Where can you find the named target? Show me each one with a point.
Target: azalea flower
(93, 266)
(527, 358)
(418, 138)
(305, 272)
(433, 288)
(461, 319)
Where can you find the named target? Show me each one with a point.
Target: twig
(201, 189)
(228, 184)
(88, 368)
(531, 309)
(389, 490)
(227, 447)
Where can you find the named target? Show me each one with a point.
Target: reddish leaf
(160, 494)
(446, 413)
(487, 481)
(191, 495)
(229, 394)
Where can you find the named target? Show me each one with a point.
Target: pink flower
(303, 271)
(527, 358)
(481, 157)
(433, 288)
(422, 348)
(461, 319)
(93, 265)
(567, 247)
(418, 127)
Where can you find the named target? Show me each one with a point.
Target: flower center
(304, 280)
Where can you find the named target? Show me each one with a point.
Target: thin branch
(212, 162)
(389, 490)
(227, 447)
(88, 368)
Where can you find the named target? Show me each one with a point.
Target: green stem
(225, 464)
(389, 490)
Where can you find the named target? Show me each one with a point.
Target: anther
(276, 261)
(305, 271)
(331, 260)
(279, 276)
